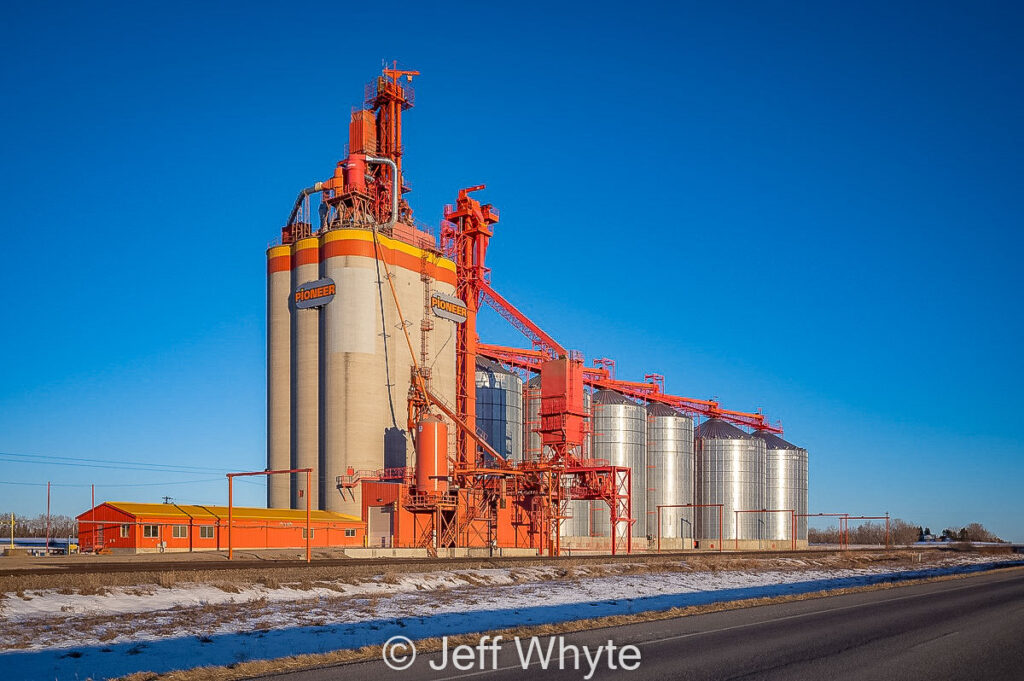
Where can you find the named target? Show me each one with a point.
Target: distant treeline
(900, 532)
(24, 526)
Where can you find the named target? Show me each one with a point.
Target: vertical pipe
(309, 530)
(736, 534)
(230, 524)
(720, 540)
(47, 517)
(93, 511)
(659, 529)
(629, 486)
(886, 530)
(612, 513)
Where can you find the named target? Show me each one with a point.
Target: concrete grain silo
(350, 370)
(279, 360)
(305, 377)
(357, 369)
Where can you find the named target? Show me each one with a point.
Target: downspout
(319, 186)
(395, 190)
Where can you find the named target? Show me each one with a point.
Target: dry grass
(227, 587)
(390, 578)
(269, 581)
(88, 590)
(247, 670)
(565, 569)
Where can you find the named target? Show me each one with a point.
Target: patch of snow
(172, 625)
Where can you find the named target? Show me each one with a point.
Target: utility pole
(47, 517)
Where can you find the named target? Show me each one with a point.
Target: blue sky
(809, 208)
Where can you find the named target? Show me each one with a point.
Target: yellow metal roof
(212, 512)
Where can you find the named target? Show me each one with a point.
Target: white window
(206, 532)
(151, 531)
(312, 533)
(179, 531)
(350, 533)
(124, 530)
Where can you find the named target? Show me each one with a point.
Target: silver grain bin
(499, 408)
(786, 486)
(669, 472)
(730, 470)
(620, 437)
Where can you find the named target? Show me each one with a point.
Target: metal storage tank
(499, 408)
(786, 486)
(669, 471)
(279, 359)
(356, 370)
(729, 471)
(305, 374)
(620, 437)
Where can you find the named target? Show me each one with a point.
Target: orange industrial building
(120, 527)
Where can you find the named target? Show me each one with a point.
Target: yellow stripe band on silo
(359, 242)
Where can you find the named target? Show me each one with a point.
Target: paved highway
(970, 628)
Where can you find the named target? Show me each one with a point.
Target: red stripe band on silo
(307, 256)
(281, 263)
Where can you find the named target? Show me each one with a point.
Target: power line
(121, 466)
(116, 468)
(92, 460)
(106, 485)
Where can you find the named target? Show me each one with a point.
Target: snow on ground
(53, 635)
(128, 600)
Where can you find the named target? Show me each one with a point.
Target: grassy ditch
(258, 668)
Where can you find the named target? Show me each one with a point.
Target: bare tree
(976, 532)
(827, 536)
(24, 526)
(901, 532)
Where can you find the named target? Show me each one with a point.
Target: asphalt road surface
(970, 628)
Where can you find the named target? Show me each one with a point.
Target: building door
(380, 526)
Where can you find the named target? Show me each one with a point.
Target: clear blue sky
(814, 209)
